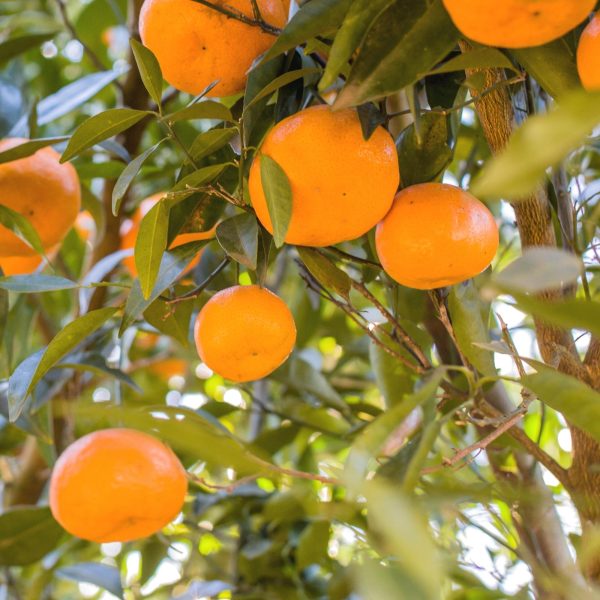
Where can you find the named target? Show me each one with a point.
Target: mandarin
(517, 23)
(42, 190)
(243, 333)
(20, 265)
(436, 235)
(588, 55)
(342, 184)
(116, 485)
(197, 45)
(131, 228)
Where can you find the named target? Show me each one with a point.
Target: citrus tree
(300, 300)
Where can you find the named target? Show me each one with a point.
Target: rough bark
(499, 118)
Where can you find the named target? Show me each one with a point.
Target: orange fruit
(20, 265)
(85, 226)
(517, 23)
(436, 235)
(169, 367)
(131, 227)
(588, 55)
(197, 45)
(341, 184)
(116, 485)
(42, 190)
(244, 333)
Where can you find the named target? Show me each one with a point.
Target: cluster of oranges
(342, 186)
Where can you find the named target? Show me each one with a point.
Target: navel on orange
(436, 235)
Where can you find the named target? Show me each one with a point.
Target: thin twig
(195, 293)
(88, 51)
(233, 13)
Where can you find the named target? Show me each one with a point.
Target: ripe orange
(20, 265)
(116, 485)
(244, 333)
(436, 235)
(131, 227)
(42, 190)
(588, 55)
(196, 45)
(517, 23)
(169, 367)
(341, 184)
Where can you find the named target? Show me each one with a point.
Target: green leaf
(238, 236)
(279, 82)
(173, 264)
(313, 18)
(128, 175)
(278, 194)
(540, 269)
(171, 319)
(210, 141)
(575, 400)
(466, 311)
(409, 540)
(201, 110)
(478, 58)
(186, 431)
(33, 284)
(67, 99)
(573, 314)
(360, 17)
(4, 309)
(541, 142)
(21, 227)
(424, 154)
(370, 441)
(18, 45)
(562, 77)
(27, 534)
(150, 245)
(28, 148)
(103, 576)
(406, 41)
(149, 69)
(198, 178)
(101, 127)
(28, 374)
(393, 378)
(312, 545)
(326, 271)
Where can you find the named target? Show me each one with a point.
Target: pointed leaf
(210, 141)
(21, 227)
(37, 283)
(27, 534)
(541, 142)
(360, 17)
(278, 194)
(238, 236)
(465, 309)
(478, 58)
(575, 400)
(150, 245)
(313, 18)
(128, 175)
(28, 148)
(326, 271)
(103, 576)
(201, 110)
(101, 127)
(149, 69)
(406, 41)
(67, 99)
